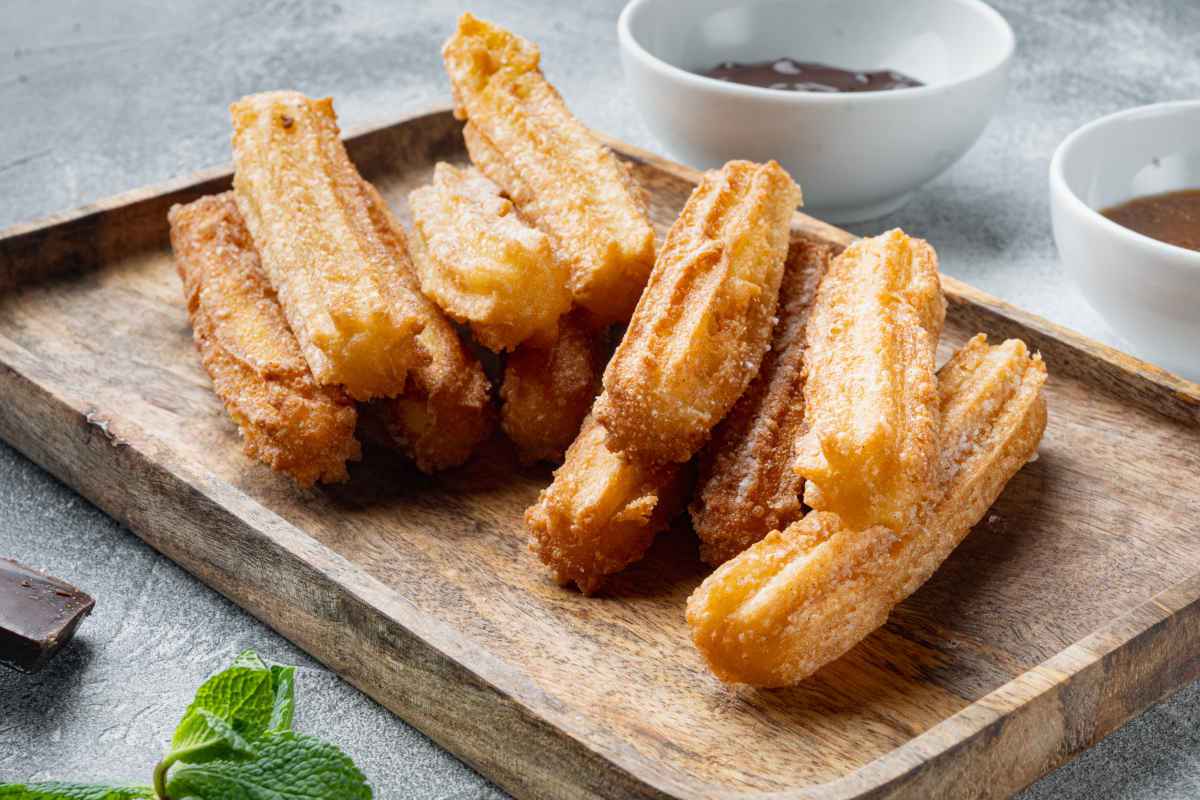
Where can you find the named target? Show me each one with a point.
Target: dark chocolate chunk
(38, 615)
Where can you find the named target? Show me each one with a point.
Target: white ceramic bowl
(856, 156)
(1148, 291)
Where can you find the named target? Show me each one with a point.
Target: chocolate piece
(38, 615)
(791, 75)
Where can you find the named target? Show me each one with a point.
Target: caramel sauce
(790, 75)
(1173, 217)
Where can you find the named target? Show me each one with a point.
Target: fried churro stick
(700, 329)
(803, 597)
(602, 511)
(303, 202)
(286, 419)
(446, 409)
(870, 393)
(746, 486)
(521, 135)
(436, 433)
(482, 263)
(547, 391)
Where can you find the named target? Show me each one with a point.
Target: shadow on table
(32, 705)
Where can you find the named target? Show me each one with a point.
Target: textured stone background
(100, 97)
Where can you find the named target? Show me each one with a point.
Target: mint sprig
(234, 743)
(290, 766)
(204, 736)
(283, 706)
(243, 695)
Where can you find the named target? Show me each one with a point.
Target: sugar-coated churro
(303, 203)
(803, 597)
(602, 510)
(436, 432)
(521, 135)
(548, 390)
(746, 486)
(869, 449)
(482, 263)
(286, 419)
(701, 327)
(446, 409)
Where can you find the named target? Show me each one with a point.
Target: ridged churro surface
(803, 597)
(699, 332)
(602, 510)
(548, 390)
(286, 419)
(870, 393)
(746, 486)
(303, 203)
(561, 178)
(446, 408)
(484, 265)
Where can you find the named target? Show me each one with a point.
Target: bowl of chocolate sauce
(1125, 206)
(862, 101)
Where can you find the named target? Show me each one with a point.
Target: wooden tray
(1070, 609)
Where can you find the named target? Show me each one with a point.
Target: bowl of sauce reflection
(1125, 205)
(862, 101)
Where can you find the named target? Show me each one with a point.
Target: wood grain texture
(1069, 609)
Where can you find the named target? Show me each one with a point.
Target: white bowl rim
(1058, 182)
(630, 43)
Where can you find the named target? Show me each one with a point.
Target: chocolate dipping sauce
(790, 75)
(1173, 217)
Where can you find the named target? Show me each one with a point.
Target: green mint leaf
(54, 790)
(283, 683)
(203, 736)
(248, 659)
(242, 695)
(290, 766)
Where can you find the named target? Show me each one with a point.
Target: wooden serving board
(1069, 609)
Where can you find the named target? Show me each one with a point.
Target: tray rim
(1094, 663)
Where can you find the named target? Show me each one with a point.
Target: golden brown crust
(803, 597)
(303, 203)
(870, 393)
(746, 486)
(436, 432)
(701, 327)
(482, 264)
(286, 419)
(547, 391)
(521, 135)
(446, 409)
(601, 512)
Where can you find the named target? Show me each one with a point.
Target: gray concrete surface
(99, 97)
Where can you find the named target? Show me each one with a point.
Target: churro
(436, 432)
(446, 409)
(803, 597)
(548, 390)
(285, 418)
(602, 510)
(484, 265)
(303, 203)
(701, 327)
(746, 486)
(870, 393)
(561, 178)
